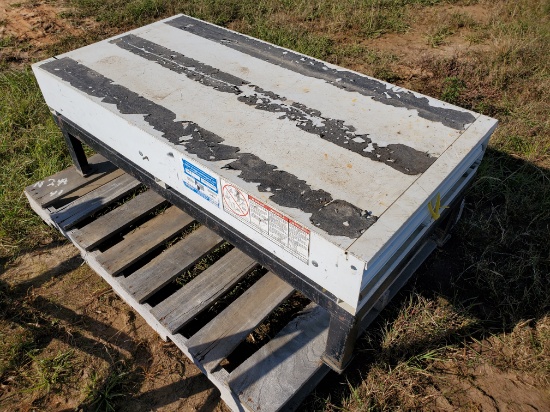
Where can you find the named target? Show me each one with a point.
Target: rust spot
(349, 165)
(326, 156)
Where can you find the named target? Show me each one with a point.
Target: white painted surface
(334, 270)
(399, 200)
(385, 124)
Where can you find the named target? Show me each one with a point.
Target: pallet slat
(178, 309)
(144, 240)
(227, 330)
(47, 191)
(87, 205)
(280, 368)
(299, 351)
(171, 263)
(118, 219)
(83, 190)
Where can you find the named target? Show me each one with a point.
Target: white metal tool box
(328, 172)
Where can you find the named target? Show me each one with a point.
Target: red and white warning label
(271, 223)
(298, 238)
(259, 215)
(234, 200)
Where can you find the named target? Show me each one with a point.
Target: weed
(103, 394)
(318, 46)
(423, 323)
(476, 36)
(50, 373)
(146, 10)
(438, 36)
(14, 351)
(7, 41)
(452, 88)
(459, 20)
(394, 388)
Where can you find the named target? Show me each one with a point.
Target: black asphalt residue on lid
(334, 216)
(341, 78)
(400, 157)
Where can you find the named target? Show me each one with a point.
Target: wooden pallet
(140, 244)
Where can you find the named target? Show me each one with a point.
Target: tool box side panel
(451, 165)
(327, 265)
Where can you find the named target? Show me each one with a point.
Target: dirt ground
(67, 308)
(30, 28)
(99, 330)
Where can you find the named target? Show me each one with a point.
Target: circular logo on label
(235, 200)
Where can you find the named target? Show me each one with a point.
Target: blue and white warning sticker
(201, 182)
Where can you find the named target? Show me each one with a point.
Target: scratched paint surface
(271, 133)
(336, 217)
(398, 156)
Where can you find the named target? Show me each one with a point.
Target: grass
(102, 394)
(450, 24)
(30, 149)
(14, 349)
(51, 372)
(483, 300)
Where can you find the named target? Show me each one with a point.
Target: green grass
(30, 149)
(14, 350)
(368, 18)
(450, 24)
(50, 373)
(6, 41)
(103, 393)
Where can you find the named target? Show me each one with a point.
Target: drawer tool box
(333, 180)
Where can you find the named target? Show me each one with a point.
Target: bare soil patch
(441, 32)
(65, 308)
(458, 38)
(28, 29)
(488, 389)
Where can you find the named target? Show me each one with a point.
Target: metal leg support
(77, 153)
(342, 334)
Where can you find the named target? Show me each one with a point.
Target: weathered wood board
(181, 307)
(216, 340)
(118, 219)
(143, 228)
(47, 191)
(87, 205)
(144, 240)
(164, 268)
